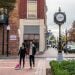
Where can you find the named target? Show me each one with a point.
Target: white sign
(12, 37)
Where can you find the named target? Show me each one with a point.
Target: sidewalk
(7, 64)
(7, 67)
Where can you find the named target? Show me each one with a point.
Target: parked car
(69, 48)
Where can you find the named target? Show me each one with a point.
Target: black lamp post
(59, 18)
(8, 28)
(3, 22)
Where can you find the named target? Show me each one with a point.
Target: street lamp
(3, 22)
(8, 28)
(59, 18)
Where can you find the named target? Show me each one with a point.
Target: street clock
(59, 17)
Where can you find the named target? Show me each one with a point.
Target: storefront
(31, 33)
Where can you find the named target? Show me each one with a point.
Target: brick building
(27, 23)
(13, 33)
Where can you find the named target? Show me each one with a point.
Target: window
(31, 29)
(32, 9)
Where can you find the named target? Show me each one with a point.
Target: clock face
(60, 17)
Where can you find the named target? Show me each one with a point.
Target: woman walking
(22, 53)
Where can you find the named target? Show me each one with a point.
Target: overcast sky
(67, 6)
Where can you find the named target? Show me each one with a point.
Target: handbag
(17, 66)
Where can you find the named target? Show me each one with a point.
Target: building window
(32, 9)
(31, 29)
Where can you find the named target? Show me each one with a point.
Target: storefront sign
(13, 37)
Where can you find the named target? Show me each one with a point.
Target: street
(7, 66)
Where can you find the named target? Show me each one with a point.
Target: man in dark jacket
(22, 53)
(32, 53)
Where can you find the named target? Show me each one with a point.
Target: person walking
(22, 53)
(32, 53)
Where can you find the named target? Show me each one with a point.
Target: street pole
(2, 19)
(8, 28)
(59, 18)
(60, 55)
(59, 51)
(3, 41)
(7, 41)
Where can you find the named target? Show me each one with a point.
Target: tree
(52, 38)
(8, 4)
(63, 38)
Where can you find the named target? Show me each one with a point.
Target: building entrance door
(31, 33)
(27, 44)
(28, 38)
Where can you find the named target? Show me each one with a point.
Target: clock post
(59, 18)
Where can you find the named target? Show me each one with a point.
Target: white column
(42, 37)
(21, 32)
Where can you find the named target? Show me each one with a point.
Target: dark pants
(22, 59)
(32, 60)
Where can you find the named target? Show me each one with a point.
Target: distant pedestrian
(22, 53)
(32, 53)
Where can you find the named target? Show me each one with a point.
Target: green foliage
(61, 72)
(63, 68)
(52, 37)
(8, 4)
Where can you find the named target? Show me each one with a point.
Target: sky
(67, 6)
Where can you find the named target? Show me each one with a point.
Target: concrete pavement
(7, 64)
(7, 67)
(53, 53)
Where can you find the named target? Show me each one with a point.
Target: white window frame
(34, 15)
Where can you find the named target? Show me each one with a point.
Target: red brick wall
(1, 30)
(40, 9)
(23, 9)
(14, 25)
(20, 11)
(1, 39)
